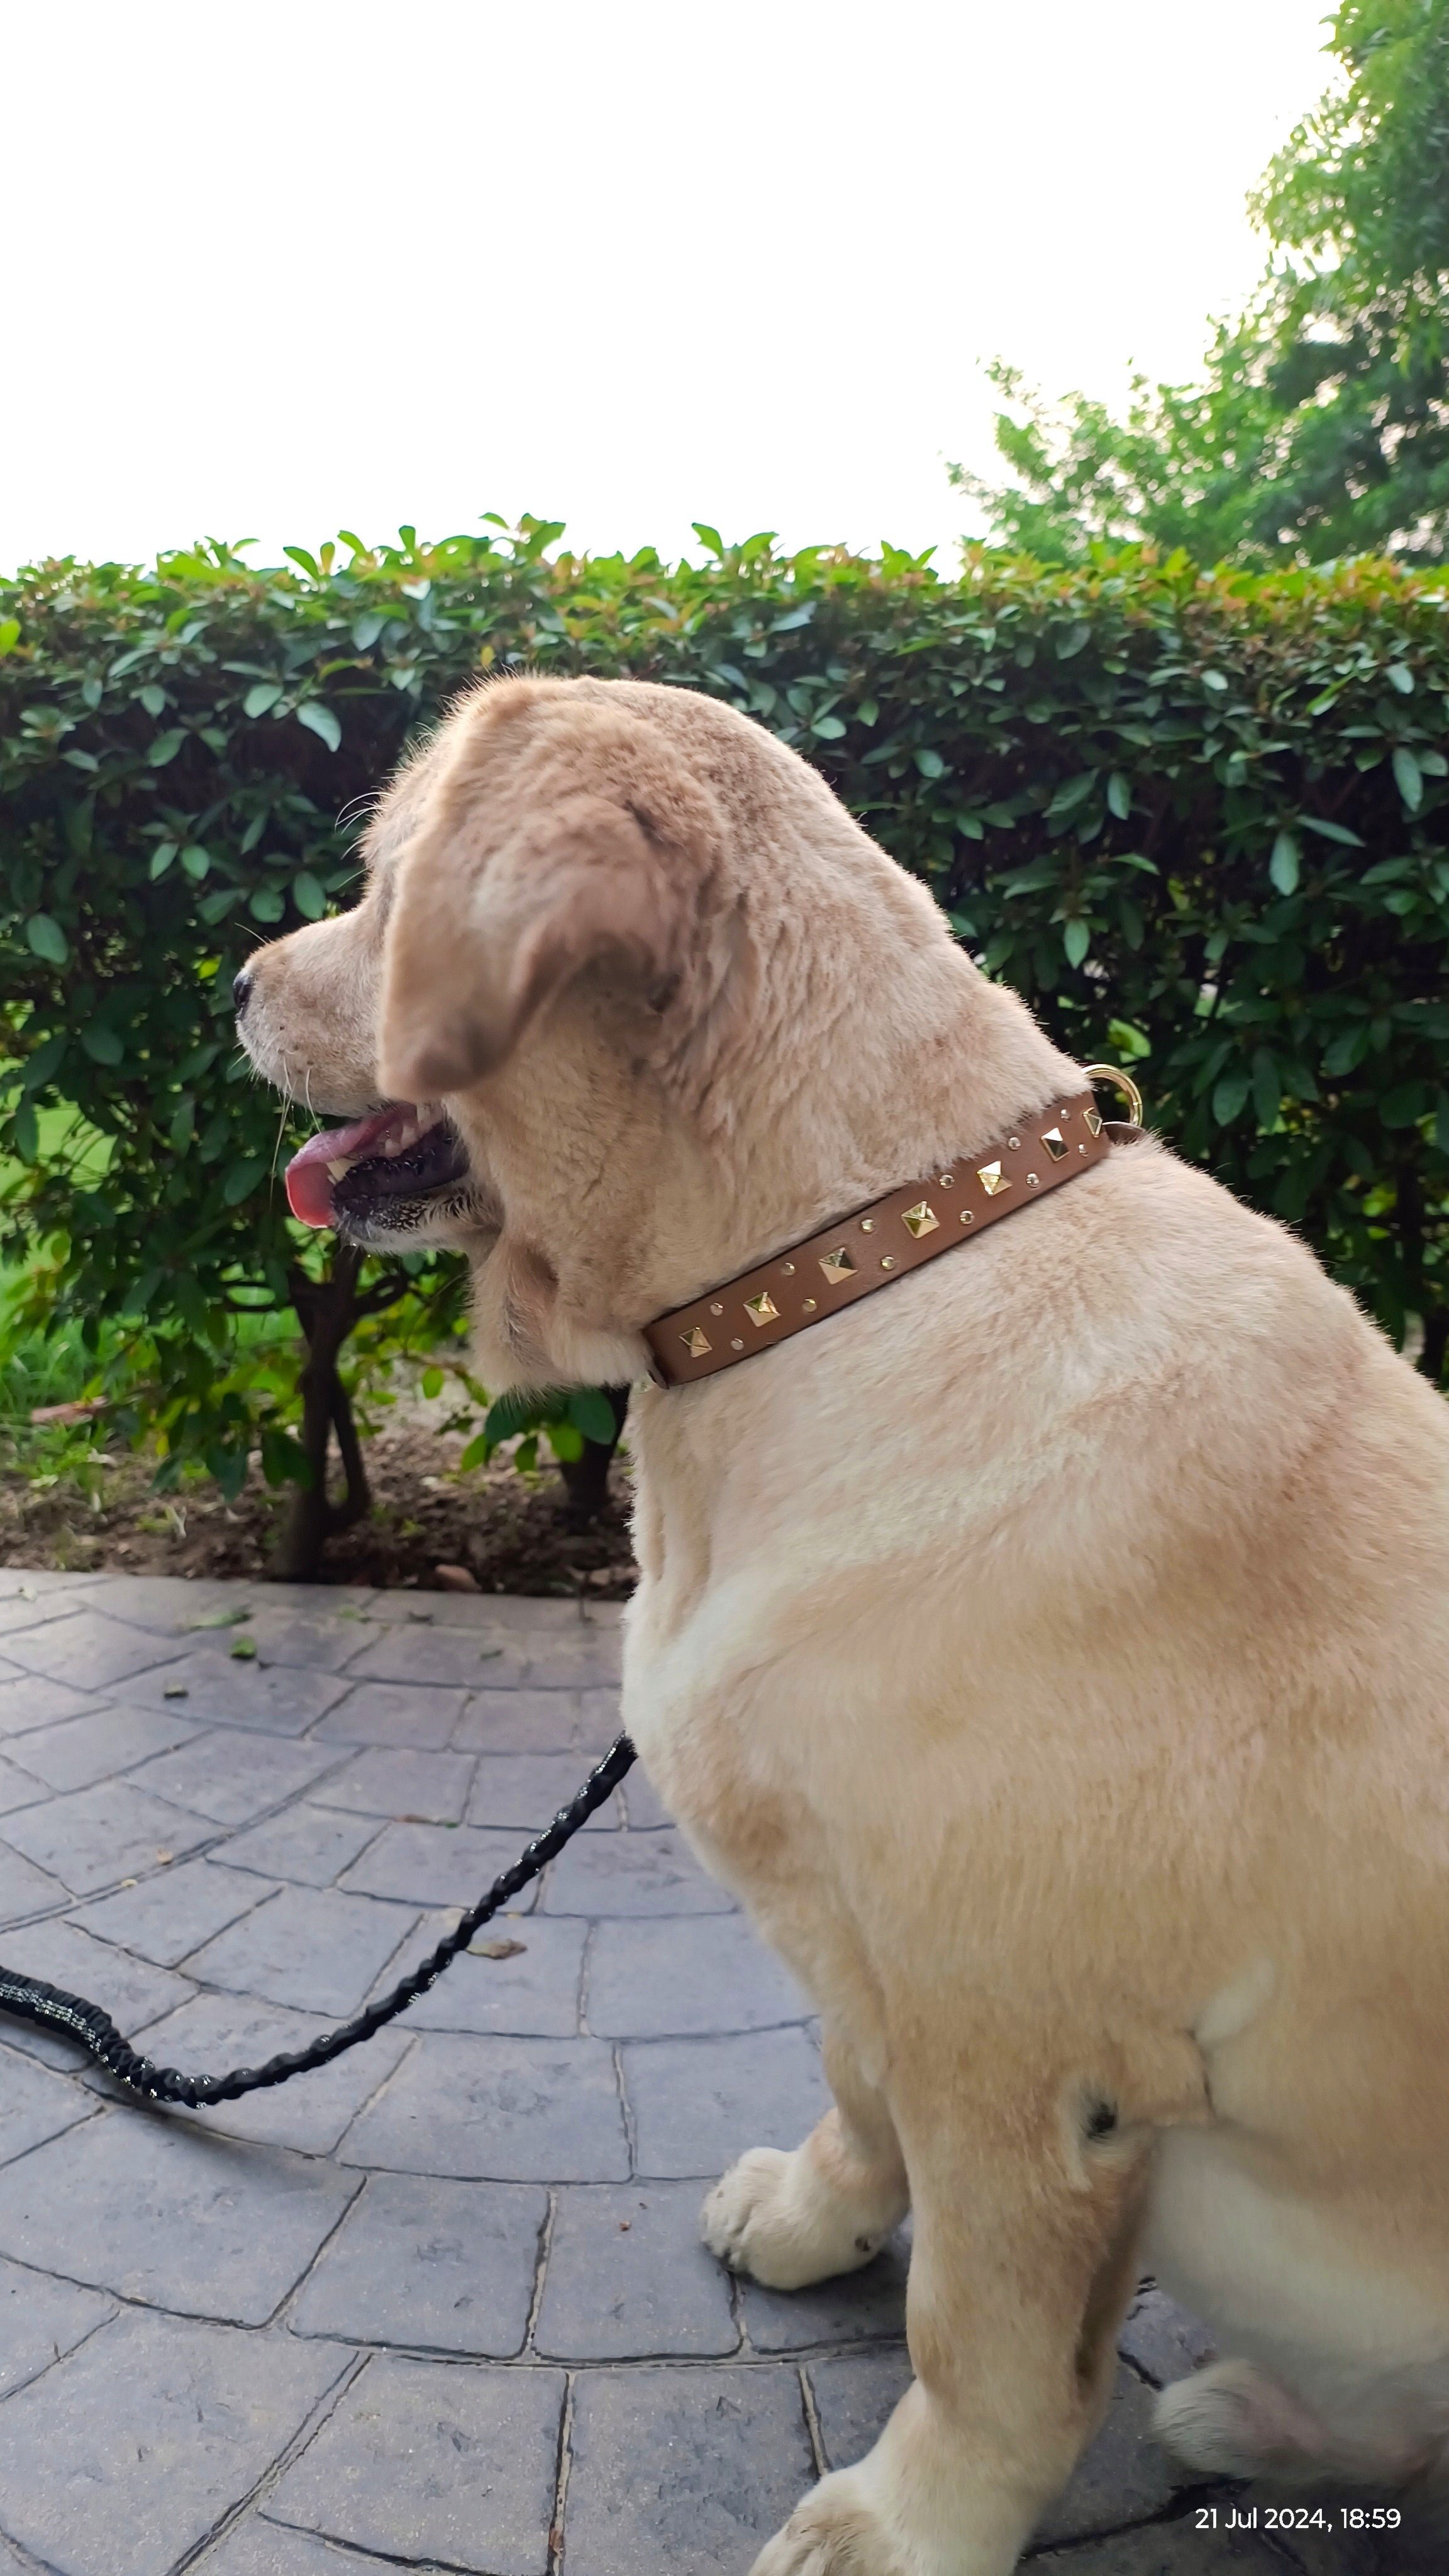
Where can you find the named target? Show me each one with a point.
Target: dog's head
(627, 995)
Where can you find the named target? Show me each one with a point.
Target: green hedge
(1200, 820)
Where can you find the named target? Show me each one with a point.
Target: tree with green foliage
(1320, 427)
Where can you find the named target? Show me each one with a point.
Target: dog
(1052, 1652)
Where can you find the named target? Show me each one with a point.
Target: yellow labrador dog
(1052, 1651)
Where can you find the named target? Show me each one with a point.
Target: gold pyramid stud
(1093, 1118)
(921, 1219)
(993, 1180)
(696, 1342)
(762, 1309)
(837, 1265)
(1055, 1143)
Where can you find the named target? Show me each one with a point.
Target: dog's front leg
(792, 2219)
(1023, 2262)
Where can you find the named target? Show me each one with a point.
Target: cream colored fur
(1052, 1651)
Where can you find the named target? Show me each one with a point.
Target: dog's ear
(480, 937)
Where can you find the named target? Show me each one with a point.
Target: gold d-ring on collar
(1122, 1082)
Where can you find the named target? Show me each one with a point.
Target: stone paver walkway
(442, 2305)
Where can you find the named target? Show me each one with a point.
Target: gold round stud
(787, 1269)
(888, 1263)
(867, 1225)
(946, 1181)
(716, 1310)
(967, 1215)
(1014, 1144)
(737, 1346)
(1031, 1181)
(1081, 1149)
(809, 1306)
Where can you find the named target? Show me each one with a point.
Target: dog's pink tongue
(309, 1181)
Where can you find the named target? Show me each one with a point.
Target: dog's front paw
(833, 2533)
(773, 2217)
(1233, 2421)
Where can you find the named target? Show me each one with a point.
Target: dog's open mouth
(379, 1173)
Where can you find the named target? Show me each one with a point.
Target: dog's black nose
(241, 993)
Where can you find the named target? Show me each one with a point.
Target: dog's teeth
(335, 1170)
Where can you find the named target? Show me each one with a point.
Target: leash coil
(51, 2008)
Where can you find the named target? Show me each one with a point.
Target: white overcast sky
(279, 269)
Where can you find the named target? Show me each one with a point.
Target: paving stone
(410, 1787)
(706, 1976)
(28, 1582)
(28, 1701)
(419, 1719)
(525, 1791)
(81, 1750)
(312, 2112)
(628, 2278)
(172, 1913)
(169, 1603)
(588, 1661)
(436, 1865)
(1162, 2339)
(123, 2457)
(868, 2306)
(642, 1803)
(311, 1947)
(253, 2547)
(532, 1721)
(35, 2103)
(233, 1776)
(132, 1991)
(457, 1658)
(95, 1837)
(1124, 2478)
(30, 1609)
(698, 2103)
(40, 2320)
(318, 1644)
(164, 2212)
(526, 1613)
(632, 1874)
(24, 1889)
(313, 1844)
(683, 2470)
(19, 1788)
(446, 2266)
(534, 1995)
(88, 1651)
(276, 1699)
(505, 2110)
(426, 2459)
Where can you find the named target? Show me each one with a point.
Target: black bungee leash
(29, 1999)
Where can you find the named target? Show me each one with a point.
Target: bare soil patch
(512, 1533)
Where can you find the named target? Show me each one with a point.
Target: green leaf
(1119, 796)
(309, 563)
(566, 1441)
(266, 904)
(829, 728)
(1230, 1094)
(1330, 831)
(161, 858)
(520, 1410)
(165, 747)
(708, 536)
(44, 1062)
(261, 697)
(1283, 866)
(153, 699)
(1441, 1123)
(25, 1132)
(1408, 777)
(1126, 1040)
(1072, 794)
(243, 1650)
(196, 861)
(433, 1382)
(525, 1456)
(1216, 681)
(47, 939)
(475, 1455)
(101, 1044)
(319, 719)
(183, 1126)
(1071, 639)
(929, 762)
(308, 896)
(284, 1460)
(1401, 678)
(593, 1414)
(242, 1179)
(1403, 1106)
(366, 630)
(9, 634)
(1267, 1087)
(867, 712)
(1076, 940)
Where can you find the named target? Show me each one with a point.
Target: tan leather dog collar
(880, 1243)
